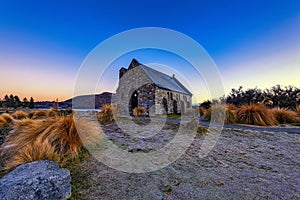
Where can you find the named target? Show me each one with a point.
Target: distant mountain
(84, 101)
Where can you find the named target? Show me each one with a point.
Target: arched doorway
(133, 102)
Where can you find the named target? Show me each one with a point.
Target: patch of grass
(7, 117)
(298, 110)
(109, 111)
(255, 114)
(202, 130)
(3, 122)
(220, 110)
(19, 114)
(139, 111)
(283, 115)
(202, 111)
(59, 139)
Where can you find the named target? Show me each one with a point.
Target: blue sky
(43, 43)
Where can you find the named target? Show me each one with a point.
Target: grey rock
(36, 180)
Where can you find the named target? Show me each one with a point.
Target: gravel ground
(244, 164)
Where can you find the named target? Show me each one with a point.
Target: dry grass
(109, 111)
(298, 110)
(19, 114)
(3, 122)
(43, 114)
(202, 111)
(284, 115)
(139, 111)
(7, 117)
(255, 114)
(220, 110)
(60, 139)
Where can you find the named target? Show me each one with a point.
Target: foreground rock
(36, 180)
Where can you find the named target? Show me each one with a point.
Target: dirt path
(244, 164)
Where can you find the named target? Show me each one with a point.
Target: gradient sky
(43, 43)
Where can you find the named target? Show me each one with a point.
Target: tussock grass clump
(202, 111)
(19, 114)
(283, 115)
(220, 110)
(255, 114)
(43, 114)
(7, 117)
(60, 139)
(298, 110)
(3, 122)
(139, 111)
(107, 114)
(39, 114)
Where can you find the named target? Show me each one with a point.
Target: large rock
(36, 180)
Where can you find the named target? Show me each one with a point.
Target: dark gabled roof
(165, 81)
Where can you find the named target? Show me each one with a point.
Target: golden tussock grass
(255, 114)
(7, 117)
(202, 111)
(298, 110)
(109, 111)
(139, 111)
(19, 114)
(63, 137)
(219, 111)
(3, 122)
(284, 115)
(43, 114)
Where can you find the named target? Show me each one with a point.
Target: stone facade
(136, 89)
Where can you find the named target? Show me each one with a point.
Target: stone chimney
(122, 71)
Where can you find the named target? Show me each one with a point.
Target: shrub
(36, 139)
(298, 110)
(109, 111)
(139, 111)
(220, 110)
(3, 122)
(19, 114)
(40, 114)
(202, 111)
(255, 114)
(7, 117)
(283, 115)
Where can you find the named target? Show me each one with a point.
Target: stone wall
(158, 100)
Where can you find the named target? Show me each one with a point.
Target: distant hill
(80, 101)
(84, 101)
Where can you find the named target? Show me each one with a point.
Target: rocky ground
(244, 164)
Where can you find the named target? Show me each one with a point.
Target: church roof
(162, 80)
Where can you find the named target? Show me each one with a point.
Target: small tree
(17, 102)
(31, 103)
(25, 102)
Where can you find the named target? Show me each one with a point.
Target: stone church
(142, 86)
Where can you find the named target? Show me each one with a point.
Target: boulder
(36, 180)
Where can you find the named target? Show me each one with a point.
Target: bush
(19, 114)
(107, 114)
(3, 122)
(220, 110)
(48, 139)
(283, 115)
(43, 114)
(298, 110)
(202, 111)
(139, 111)
(255, 114)
(7, 117)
